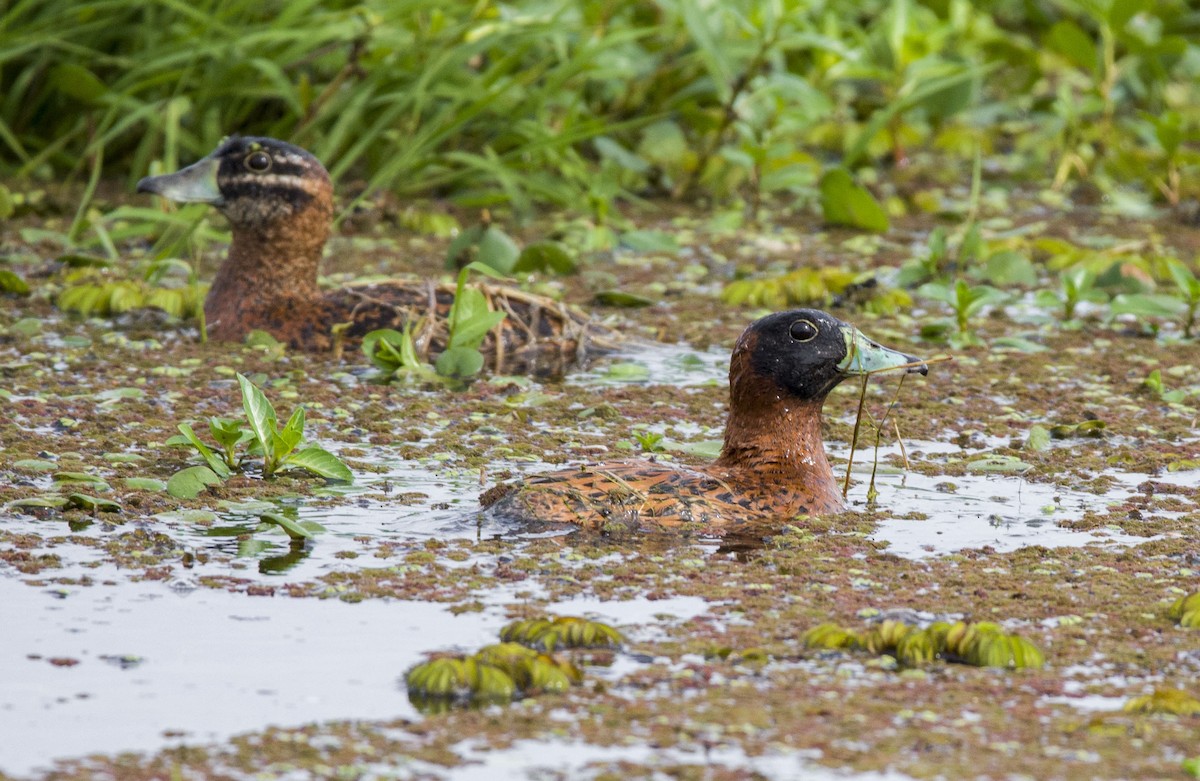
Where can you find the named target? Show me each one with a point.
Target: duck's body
(772, 465)
(279, 201)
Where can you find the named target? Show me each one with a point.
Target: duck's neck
(269, 266)
(773, 450)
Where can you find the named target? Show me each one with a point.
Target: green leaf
(210, 458)
(1069, 40)
(93, 503)
(293, 432)
(460, 362)
(78, 82)
(1038, 439)
(188, 483)
(259, 413)
(621, 299)
(650, 241)
(145, 484)
(293, 529)
(998, 465)
(383, 348)
(484, 245)
(11, 283)
(78, 477)
(34, 465)
(321, 462)
(228, 433)
(845, 203)
(545, 256)
(39, 503)
(1010, 268)
(470, 333)
(1147, 305)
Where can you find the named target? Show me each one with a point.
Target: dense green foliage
(582, 102)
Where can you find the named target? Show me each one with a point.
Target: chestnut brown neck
(773, 441)
(271, 261)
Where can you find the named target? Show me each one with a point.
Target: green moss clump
(1186, 611)
(981, 644)
(562, 632)
(1175, 702)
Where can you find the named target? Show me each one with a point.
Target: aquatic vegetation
(262, 437)
(1186, 611)
(818, 285)
(1174, 702)
(966, 301)
(1075, 286)
(562, 632)
(979, 644)
(522, 665)
(395, 354)
(649, 441)
(470, 319)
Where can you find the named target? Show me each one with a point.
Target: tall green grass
(580, 102)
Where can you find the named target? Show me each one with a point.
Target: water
(155, 666)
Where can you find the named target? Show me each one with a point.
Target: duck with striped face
(279, 202)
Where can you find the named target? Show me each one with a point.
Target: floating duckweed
(562, 632)
(1186, 611)
(807, 286)
(832, 637)
(884, 637)
(110, 298)
(521, 666)
(1171, 701)
(530, 670)
(981, 644)
(460, 678)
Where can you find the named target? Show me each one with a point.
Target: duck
(772, 466)
(278, 199)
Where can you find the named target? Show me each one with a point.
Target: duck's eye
(258, 162)
(803, 331)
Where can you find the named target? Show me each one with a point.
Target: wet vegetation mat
(238, 559)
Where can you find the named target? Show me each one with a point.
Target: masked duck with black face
(772, 466)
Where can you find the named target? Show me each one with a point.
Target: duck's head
(803, 354)
(255, 182)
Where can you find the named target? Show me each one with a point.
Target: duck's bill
(864, 356)
(195, 184)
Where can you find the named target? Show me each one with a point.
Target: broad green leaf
(78, 477)
(228, 433)
(545, 256)
(293, 529)
(35, 465)
(212, 459)
(1148, 305)
(1069, 40)
(52, 502)
(460, 362)
(650, 241)
(845, 203)
(188, 483)
(145, 484)
(998, 464)
(259, 413)
(383, 348)
(293, 432)
(11, 283)
(1038, 439)
(93, 503)
(497, 250)
(470, 333)
(321, 462)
